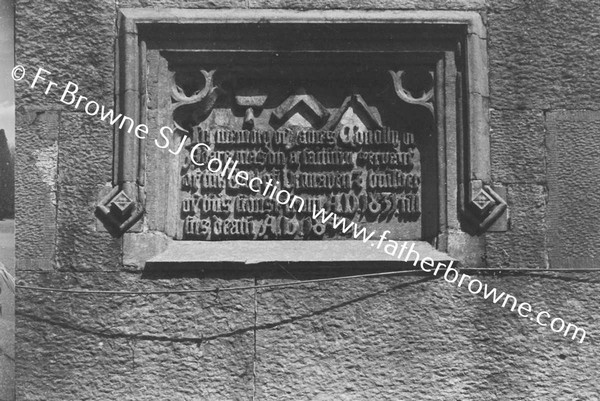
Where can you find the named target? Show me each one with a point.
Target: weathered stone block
(86, 143)
(35, 188)
(136, 247)
(215, 369)
(543, 55)
(573, 165)
(139, 347)
(400, 336)
(74, 41)
(358, 339)
(524, 245)
(497, 338)
(518, 146)
(84, 161)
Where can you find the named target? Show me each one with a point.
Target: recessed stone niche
(380, 117)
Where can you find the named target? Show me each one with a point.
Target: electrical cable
(280, 285)
(215, 289)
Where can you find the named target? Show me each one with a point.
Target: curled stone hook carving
(191, 110)
(180, 97)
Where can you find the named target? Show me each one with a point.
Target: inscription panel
(274, 71)
(364, 176)
(335, 136)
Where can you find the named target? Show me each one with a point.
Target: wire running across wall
(8, 278)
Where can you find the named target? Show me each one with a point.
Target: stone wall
(391, 338)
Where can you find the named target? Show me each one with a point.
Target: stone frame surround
(469, 202)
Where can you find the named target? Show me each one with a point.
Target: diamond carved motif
(485, 207)
(119, 210)
(121, 204)
(483, 202)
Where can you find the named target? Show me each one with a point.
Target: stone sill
(255, 252)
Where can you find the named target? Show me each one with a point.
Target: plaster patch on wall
(47, 162)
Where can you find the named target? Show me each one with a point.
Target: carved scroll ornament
(426, 100)
(189, 111)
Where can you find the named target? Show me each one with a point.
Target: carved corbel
(119, 209)
(484, 207)
(426, 100)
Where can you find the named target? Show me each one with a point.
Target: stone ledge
(254, 252)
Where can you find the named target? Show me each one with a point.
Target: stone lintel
(472, 20)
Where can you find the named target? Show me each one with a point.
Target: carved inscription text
(363, 175)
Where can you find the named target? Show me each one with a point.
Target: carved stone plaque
(378, 117)
(331, 133)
